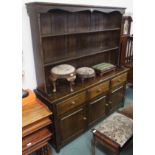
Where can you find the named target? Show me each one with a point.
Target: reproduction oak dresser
(81, 36)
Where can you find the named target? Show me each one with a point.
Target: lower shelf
(36, 140)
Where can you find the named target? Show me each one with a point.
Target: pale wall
(29, 78)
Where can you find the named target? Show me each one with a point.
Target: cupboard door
(97, 109)
(72, 124)
(116, 99)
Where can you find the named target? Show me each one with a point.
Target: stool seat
(63, 71)
(114, 132)
(116, 127)
(85, 73)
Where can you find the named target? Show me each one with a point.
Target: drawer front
(97, 90)
(34, 141)
(71, 103)
(118, 80)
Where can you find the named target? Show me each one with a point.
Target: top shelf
(84, 32)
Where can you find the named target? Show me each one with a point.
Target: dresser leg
(117, 153)
(57, 149)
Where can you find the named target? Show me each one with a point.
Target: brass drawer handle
(73, 102)
(101, 98)
(117, 89)
(84, 118)
(99, 90)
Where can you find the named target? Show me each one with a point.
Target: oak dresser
(82, 36)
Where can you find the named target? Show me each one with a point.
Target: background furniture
(126, 25)
(35, 122)
(78, 35)
(126, 58)
(126, 47)
(127, 111)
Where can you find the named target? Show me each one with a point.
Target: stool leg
(54, 86)
(93, 143)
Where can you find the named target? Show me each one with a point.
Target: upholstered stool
(113, 132)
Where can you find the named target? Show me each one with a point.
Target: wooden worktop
(33, 111)
(35, 114)
(63, 91)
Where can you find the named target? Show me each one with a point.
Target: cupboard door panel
(72, 124)
(97, 108)
(117, 97)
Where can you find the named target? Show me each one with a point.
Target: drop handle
(84, 118)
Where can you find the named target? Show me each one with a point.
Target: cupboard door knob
(73, 102)
(110, 102)
(29, 144)
(119, 80)
(106, 105)
(84, 118)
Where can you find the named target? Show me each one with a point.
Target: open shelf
(80, 56)
(74, 33)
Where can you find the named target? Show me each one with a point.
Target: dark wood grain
(72, 124)
(97, 108)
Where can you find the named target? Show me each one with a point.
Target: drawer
(35, 140)
(71, 103)
(118, 80)
(97, 90)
